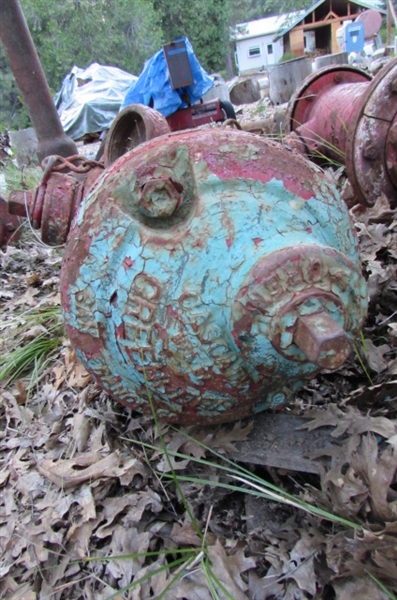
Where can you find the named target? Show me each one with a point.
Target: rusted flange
(133, 126)
(340, 114)
(52, 205)
(371, 149)
(321, 109)
(58, 208)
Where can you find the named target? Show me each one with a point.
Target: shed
(262, 43)
(256, 47)
(315, 29)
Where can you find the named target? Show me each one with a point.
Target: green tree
(12, 113)
(78, 32)
(286, 6)
(205, 23)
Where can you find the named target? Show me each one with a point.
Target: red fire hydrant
(340, 113)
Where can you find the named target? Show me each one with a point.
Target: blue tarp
(153, 87)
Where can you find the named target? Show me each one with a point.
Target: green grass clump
(32, 337)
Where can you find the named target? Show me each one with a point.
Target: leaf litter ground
(87, 506)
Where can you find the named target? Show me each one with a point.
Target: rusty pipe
(340, 113)
(29, 75)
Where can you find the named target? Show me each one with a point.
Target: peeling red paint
(120, 334)
(85, 342)
(172, 313)
(128, 263)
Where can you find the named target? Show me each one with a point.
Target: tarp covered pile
(90, 98)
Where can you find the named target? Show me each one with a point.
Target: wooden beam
(331, 15)
(277, 440)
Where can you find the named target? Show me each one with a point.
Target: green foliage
(16, 178)
(248, 10)
(33, 335)
(286, 6)
(80, 32)
(287, 56)
(125, 34)
(12, 113)
(383, 34)
(206, 25)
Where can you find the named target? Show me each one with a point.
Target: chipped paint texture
(202, 300)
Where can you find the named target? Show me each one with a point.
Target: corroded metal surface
(372, 141)
(340, 114)
(52, 205)
(322, 108)
(194, 263)
(134, 125)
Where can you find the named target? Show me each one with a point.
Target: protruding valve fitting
(322, 340)
(134, 125)
(52, 205)
(341, 114)
(160, 197)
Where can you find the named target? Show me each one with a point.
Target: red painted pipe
(340, 113)
(30, 77)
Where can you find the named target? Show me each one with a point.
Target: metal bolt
(322, 340)
(370, 151)
(160, 198)
(338, 78)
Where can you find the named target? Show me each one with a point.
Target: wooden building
(315, 29)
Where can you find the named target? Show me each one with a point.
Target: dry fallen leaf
(358, 587)
(85, 467)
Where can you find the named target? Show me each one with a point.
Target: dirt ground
(87, 507)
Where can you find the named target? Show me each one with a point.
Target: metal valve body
(340, 113)
(215, 270)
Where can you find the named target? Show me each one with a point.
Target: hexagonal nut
(160, 198)
(370, 151)
(322, 340)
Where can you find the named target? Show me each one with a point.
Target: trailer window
(254, 51)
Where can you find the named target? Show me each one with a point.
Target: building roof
(282, 24)
(374, 4)
(266, 26)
